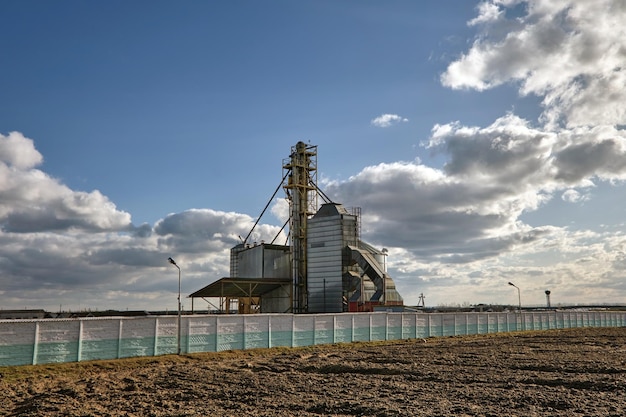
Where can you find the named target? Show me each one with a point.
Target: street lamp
(179, 326)
(519, 297)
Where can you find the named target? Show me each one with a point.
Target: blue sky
(484, 142)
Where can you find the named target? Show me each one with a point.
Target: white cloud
(386, 120)
(18, 151)
(574, 196)
(280, 209)
(570, 52)
(487, 13)
(32, 201)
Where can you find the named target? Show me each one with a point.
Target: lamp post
(519, 297)
(178, 325)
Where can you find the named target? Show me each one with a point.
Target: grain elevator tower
(301, 190)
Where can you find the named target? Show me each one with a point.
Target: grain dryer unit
(344, 273)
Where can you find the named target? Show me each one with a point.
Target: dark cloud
(37, 220)
(606, 158)
(507, 152)
(201, 230)
(135, 257)
(145, 230)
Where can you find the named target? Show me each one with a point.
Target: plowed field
(576, 372)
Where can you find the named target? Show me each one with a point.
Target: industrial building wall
(24, 342)
(276, 301)
(324, 263)
(234, 260)
(250, 262)
(264, 261)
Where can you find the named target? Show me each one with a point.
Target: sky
(484, 141)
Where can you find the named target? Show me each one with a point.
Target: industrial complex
(324, 268)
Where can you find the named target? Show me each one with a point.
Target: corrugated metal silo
(329, 231)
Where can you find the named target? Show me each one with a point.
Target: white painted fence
(69, 340)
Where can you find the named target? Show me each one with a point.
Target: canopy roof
(241, 287)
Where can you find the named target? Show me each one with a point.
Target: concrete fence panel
(25, 342)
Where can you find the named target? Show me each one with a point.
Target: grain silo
(326, 267)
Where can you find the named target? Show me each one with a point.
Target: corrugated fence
(25, 342)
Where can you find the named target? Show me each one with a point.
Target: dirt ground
(578, 372)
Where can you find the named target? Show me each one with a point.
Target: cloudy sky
(484, 141)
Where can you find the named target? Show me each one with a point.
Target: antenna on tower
(422, 300)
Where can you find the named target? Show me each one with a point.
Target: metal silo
(329, 232)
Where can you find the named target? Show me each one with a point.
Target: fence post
(217, 332)
(36, 346)
(386, 326)
(352, 330)
(188, 344)
(245, 331)
(156, 335)
(119, 338)
(80, 340)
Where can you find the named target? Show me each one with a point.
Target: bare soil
(574, 372)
